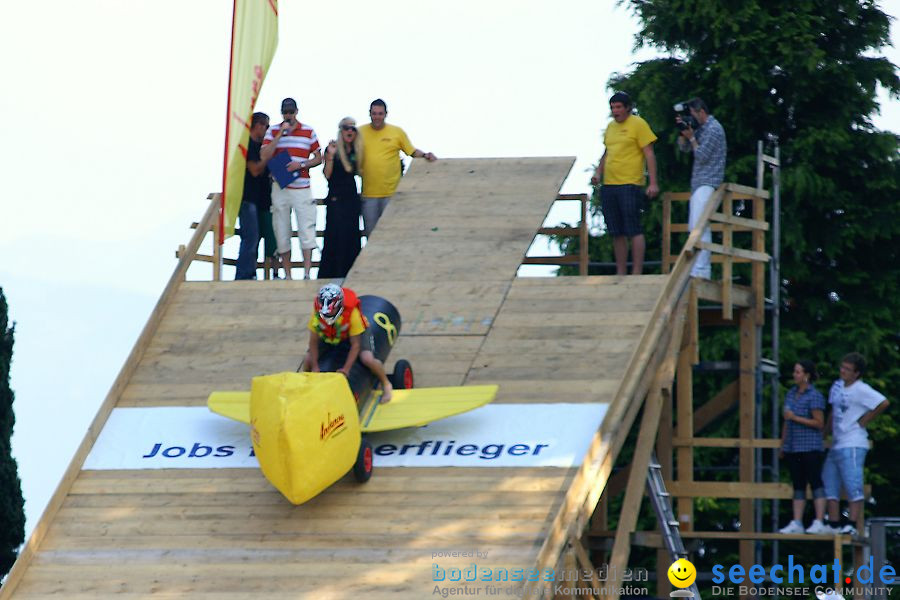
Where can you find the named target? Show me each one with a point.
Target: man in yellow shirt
(629, 144)
(382, 168)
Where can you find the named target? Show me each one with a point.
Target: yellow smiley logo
(682, 573)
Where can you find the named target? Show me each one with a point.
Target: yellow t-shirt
(381, 161)
(625, 143)
(356, 324)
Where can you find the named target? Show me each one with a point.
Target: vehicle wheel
(362, 469)
(402, 377)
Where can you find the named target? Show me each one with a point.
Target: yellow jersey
(381, 167)
(625, 143)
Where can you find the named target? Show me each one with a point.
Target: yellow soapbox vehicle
(307, 429)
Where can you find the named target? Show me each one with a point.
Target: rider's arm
(351, 356)
(313, 365)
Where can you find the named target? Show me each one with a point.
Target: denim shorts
(844, 468)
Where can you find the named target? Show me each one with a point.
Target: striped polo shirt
(300, 143)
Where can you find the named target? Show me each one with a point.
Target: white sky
(113, 132)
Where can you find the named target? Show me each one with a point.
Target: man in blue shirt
(707, 143)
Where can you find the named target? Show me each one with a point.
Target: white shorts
(304, 205)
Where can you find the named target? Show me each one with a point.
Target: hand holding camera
(684, 120)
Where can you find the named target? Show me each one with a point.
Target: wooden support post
(584, 241)
(758, 282)
(667, 233)
(747, 408)
(664, 455)
(634, 490)
(685, 417)
(218, 237)
(584, 561)
(727, 274)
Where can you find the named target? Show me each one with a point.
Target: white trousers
(699, 198)
(304, 206)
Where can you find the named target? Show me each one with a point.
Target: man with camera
(703, 135)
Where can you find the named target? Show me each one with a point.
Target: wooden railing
(580, 231)
(651, 368)
(726, 254)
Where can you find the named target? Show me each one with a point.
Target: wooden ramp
(446, 252)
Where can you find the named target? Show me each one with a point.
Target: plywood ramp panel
(446, 253)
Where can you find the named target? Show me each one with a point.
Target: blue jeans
(844, 466)
(246, 260)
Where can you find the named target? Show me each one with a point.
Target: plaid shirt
(801, 438)
(709, 157)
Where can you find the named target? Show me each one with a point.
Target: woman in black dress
(342, 237)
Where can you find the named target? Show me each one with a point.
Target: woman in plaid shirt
(802, 446)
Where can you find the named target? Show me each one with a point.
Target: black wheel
(402, 377)
(362, 469)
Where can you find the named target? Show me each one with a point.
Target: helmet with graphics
(330, 303)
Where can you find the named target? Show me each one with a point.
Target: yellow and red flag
(254, 36)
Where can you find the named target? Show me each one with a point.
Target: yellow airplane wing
(420, 406)
(407, 408)
(234, 405)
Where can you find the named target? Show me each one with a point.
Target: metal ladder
(668, 524)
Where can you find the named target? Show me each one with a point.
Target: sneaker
(818, 527)
(847, 529)
(792, 527)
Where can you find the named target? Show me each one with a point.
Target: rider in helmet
(337, 319)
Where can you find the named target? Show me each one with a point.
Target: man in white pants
(707, 142)
(301, 143)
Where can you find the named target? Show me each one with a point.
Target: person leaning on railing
(708, 145)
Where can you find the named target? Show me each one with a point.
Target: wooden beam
(584, 560)
(747, 190)
(741, 296)
(726, 443)
(725, 400)
(714, 227)
(739, 223)
(727, 308)
(637, 479)
(584, 239)
(684, 421)
(746, 490)
(735, 252)
(747, 411)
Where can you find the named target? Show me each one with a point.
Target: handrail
(587, 485)
(580, 231)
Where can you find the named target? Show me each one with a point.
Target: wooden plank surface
(228, 534)
(461, 220)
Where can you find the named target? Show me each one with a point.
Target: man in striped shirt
(301, 143)
(707, 143)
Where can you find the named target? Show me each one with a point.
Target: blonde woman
(342, 239)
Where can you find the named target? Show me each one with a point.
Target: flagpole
(220, 229)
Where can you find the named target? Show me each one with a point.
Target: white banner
(497, 435)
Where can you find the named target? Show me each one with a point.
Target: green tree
(807, 72)
(12, 511)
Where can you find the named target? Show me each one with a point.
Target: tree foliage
(807, 72)
(12, 511)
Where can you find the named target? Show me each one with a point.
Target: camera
(687, 119)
